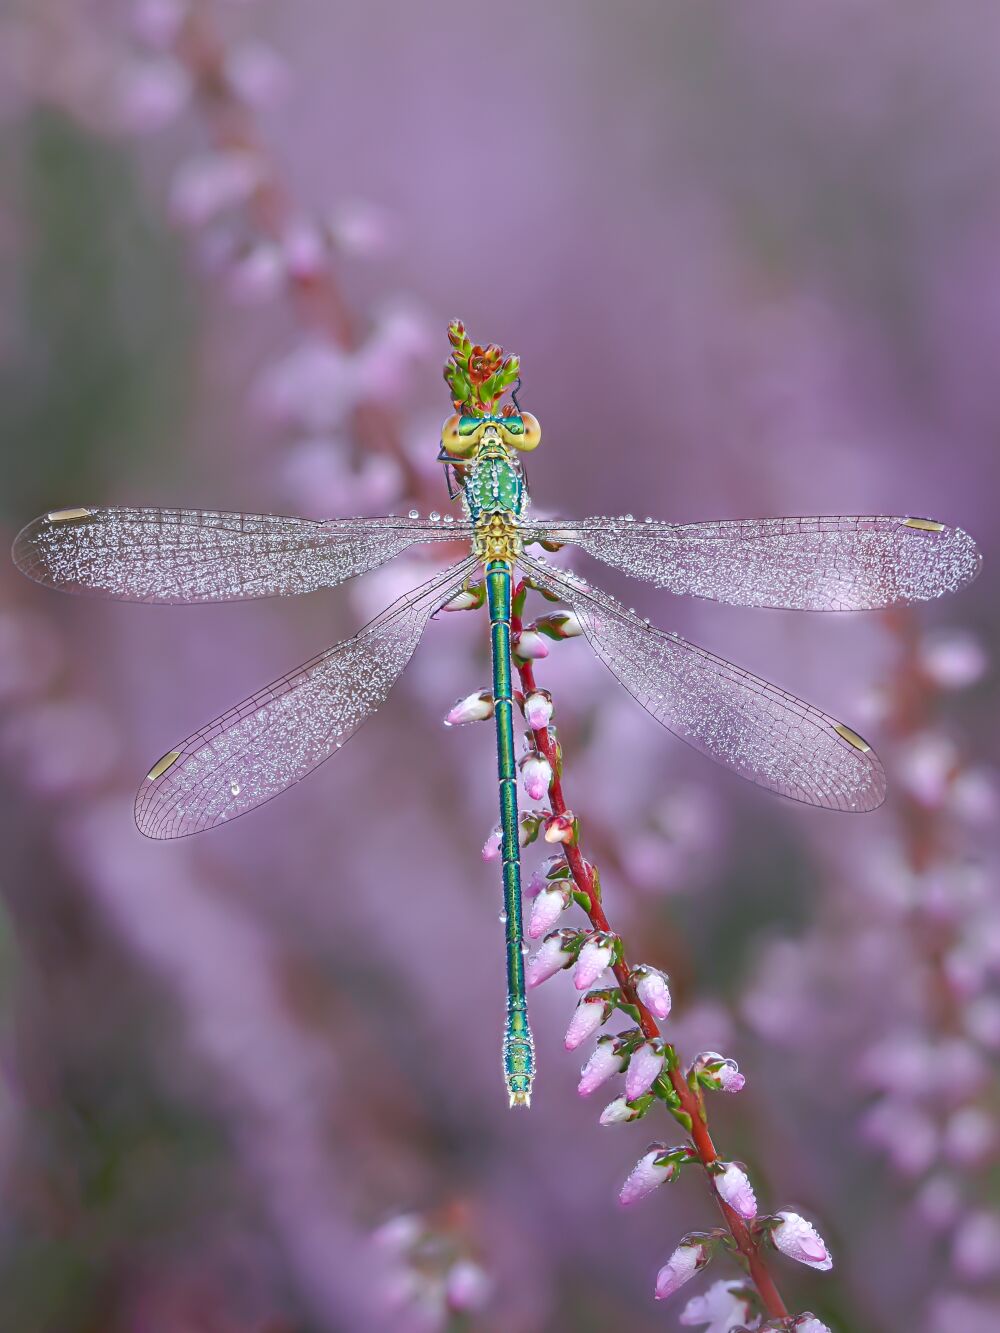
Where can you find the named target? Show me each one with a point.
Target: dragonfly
(269, 741)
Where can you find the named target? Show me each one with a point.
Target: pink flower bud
(686, 1260)
(466, 600)
(649, 1172)
(530, 645)
(808, 1323)
(538, 709)
(536, 774)
(567, 624)
(207, 185)
(560, 828)
(546, 910)
(954, 660)
(723, 1306)
(718, 1072)
(491, 847)
(540, 876)
(619, 1112)
(467, 1286)
(735, 1189)
(473, 708)
(304, 250)
(256, 275)
(587, 1018)
(550, 958)
(652, 989)
(644, 1068)
(604, 1062)
(257, 73)
(976, 1248)
(595, 956)
(801, 1241)
(150, 93)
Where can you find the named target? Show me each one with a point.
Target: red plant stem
(690, 1102)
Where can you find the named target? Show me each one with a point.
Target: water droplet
(434, 516)
(502, 918)
(234, 787)
(414, 513)
(525, 948)
(629, 518)
(647, 519)
(448, 518)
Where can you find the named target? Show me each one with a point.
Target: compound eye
(454, 440)
(532, 436)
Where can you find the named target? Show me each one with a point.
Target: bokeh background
(750, 256)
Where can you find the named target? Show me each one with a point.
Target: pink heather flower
(491, 847)
(257, 73)
(644, 1068)
(257, 275)
(647, 1174)
(313, 387)
(531, 645)
(398, 1234)
(536, 774)
(151, 93)
(538, 709)
(619, 1112)
(954, 659)
(560, 828)
(605, 1061)
(362, 230)
(801, 1241)
(595, 957)
(156, 22)
(722, 1073)
(652, 989)
(587, 1018)
(808, 1323)
(735, 1189)
(550, 958)
(976, 1247)
(304, 250)
(686, 1260)
(540, 875)
(206, 185)
(719, 1309)
(467, 1286)
(473, 708)
(546, 910)
(969, 1136)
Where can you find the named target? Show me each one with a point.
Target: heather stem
(690, 1103)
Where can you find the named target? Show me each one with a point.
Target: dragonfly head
(467, 437)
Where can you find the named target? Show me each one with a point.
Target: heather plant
(332, 382)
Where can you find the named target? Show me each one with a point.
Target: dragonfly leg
(518, 1045)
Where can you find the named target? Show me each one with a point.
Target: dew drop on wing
(234, 787)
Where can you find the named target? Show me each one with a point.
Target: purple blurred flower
(975, 1252)
(314, 387)
(799, 1240)
(467, 1286)
(954, 659)
(206, 185)
(150, 93)
(256, 73)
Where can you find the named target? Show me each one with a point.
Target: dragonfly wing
(832, 563)
(271, 740)
(197, 555)
(751, 726)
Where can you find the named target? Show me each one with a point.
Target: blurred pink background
(750, 258)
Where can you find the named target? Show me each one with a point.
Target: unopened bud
(473, 708)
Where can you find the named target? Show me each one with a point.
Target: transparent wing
(198, 555)
(754, 728)
(278, 735)
(832, 563)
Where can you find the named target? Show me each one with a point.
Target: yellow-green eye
(530, 435)
(454, 440)
(469, 425)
